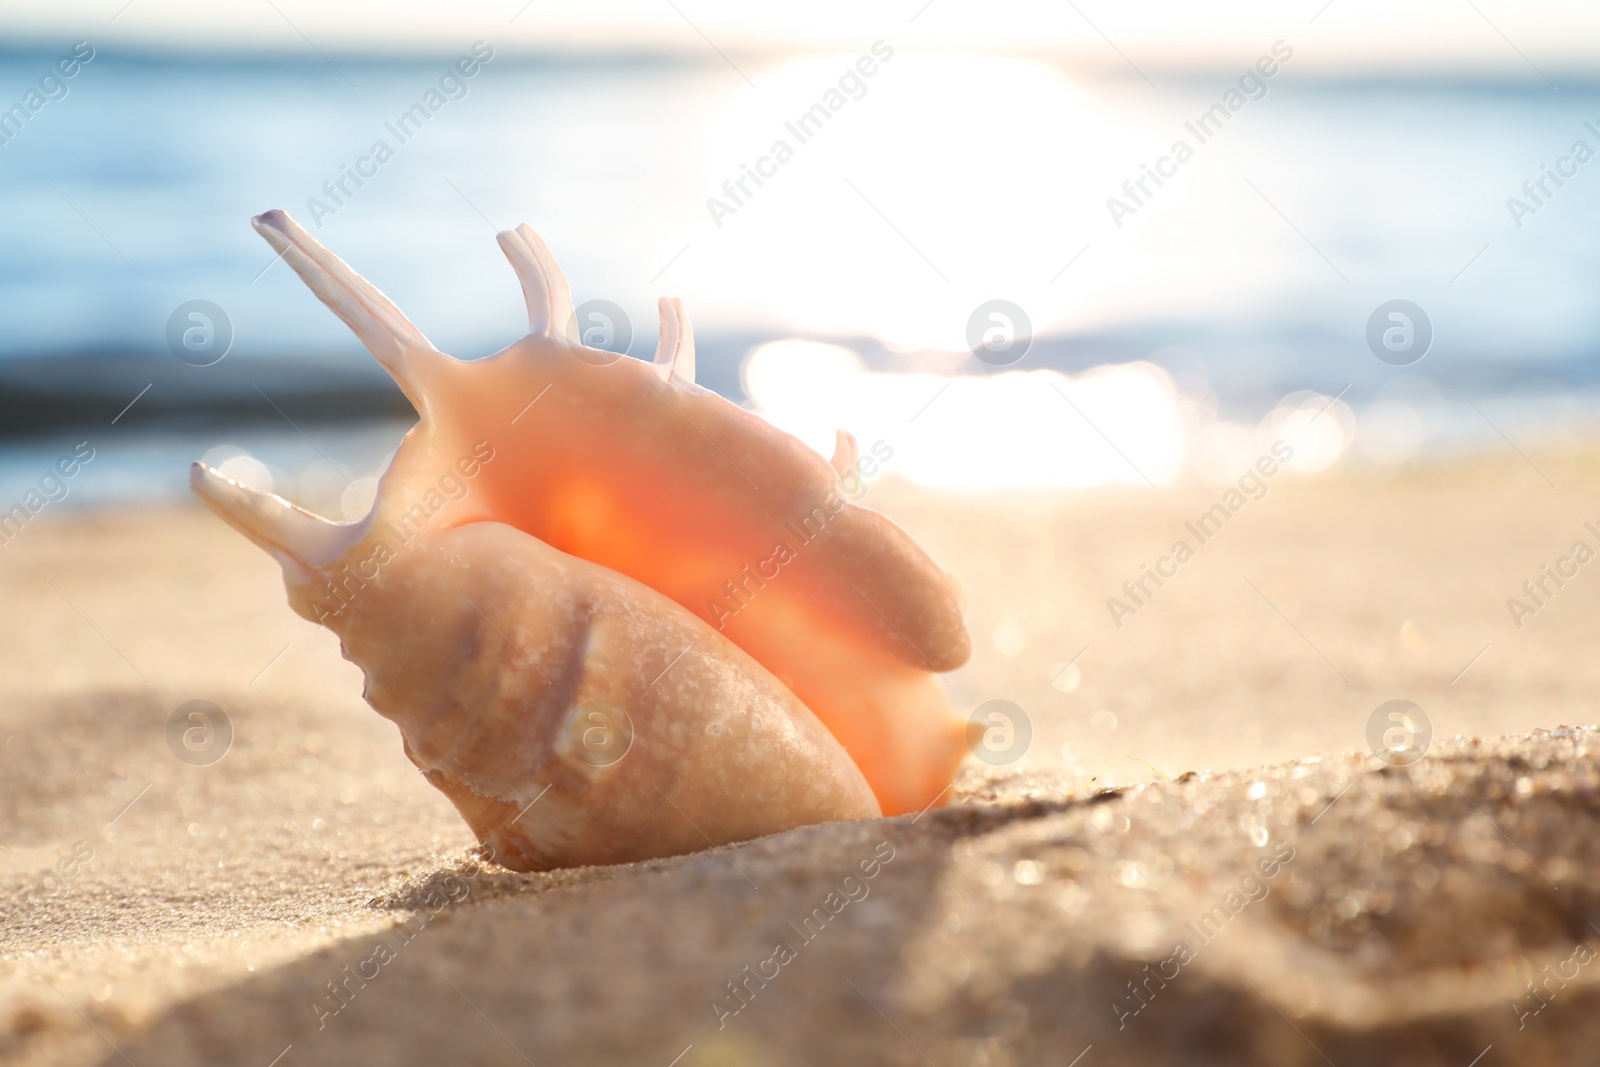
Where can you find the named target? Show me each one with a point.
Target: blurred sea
(947, 181)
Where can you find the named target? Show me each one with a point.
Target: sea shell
(573, 715)
(631, 466)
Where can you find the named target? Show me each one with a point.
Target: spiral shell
(560, 523)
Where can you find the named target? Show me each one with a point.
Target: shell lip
(290, 533)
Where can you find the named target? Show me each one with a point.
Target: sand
(161, 911)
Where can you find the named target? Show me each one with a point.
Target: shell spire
(544, 287)
(846, 454)
(299, 540)
(400, 347)
(674, 358)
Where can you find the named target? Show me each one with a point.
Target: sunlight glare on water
(1121, 424)
(1013, 430)
(887, 216)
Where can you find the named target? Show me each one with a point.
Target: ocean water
(1176, 330)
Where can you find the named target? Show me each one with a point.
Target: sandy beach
(162, 910)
